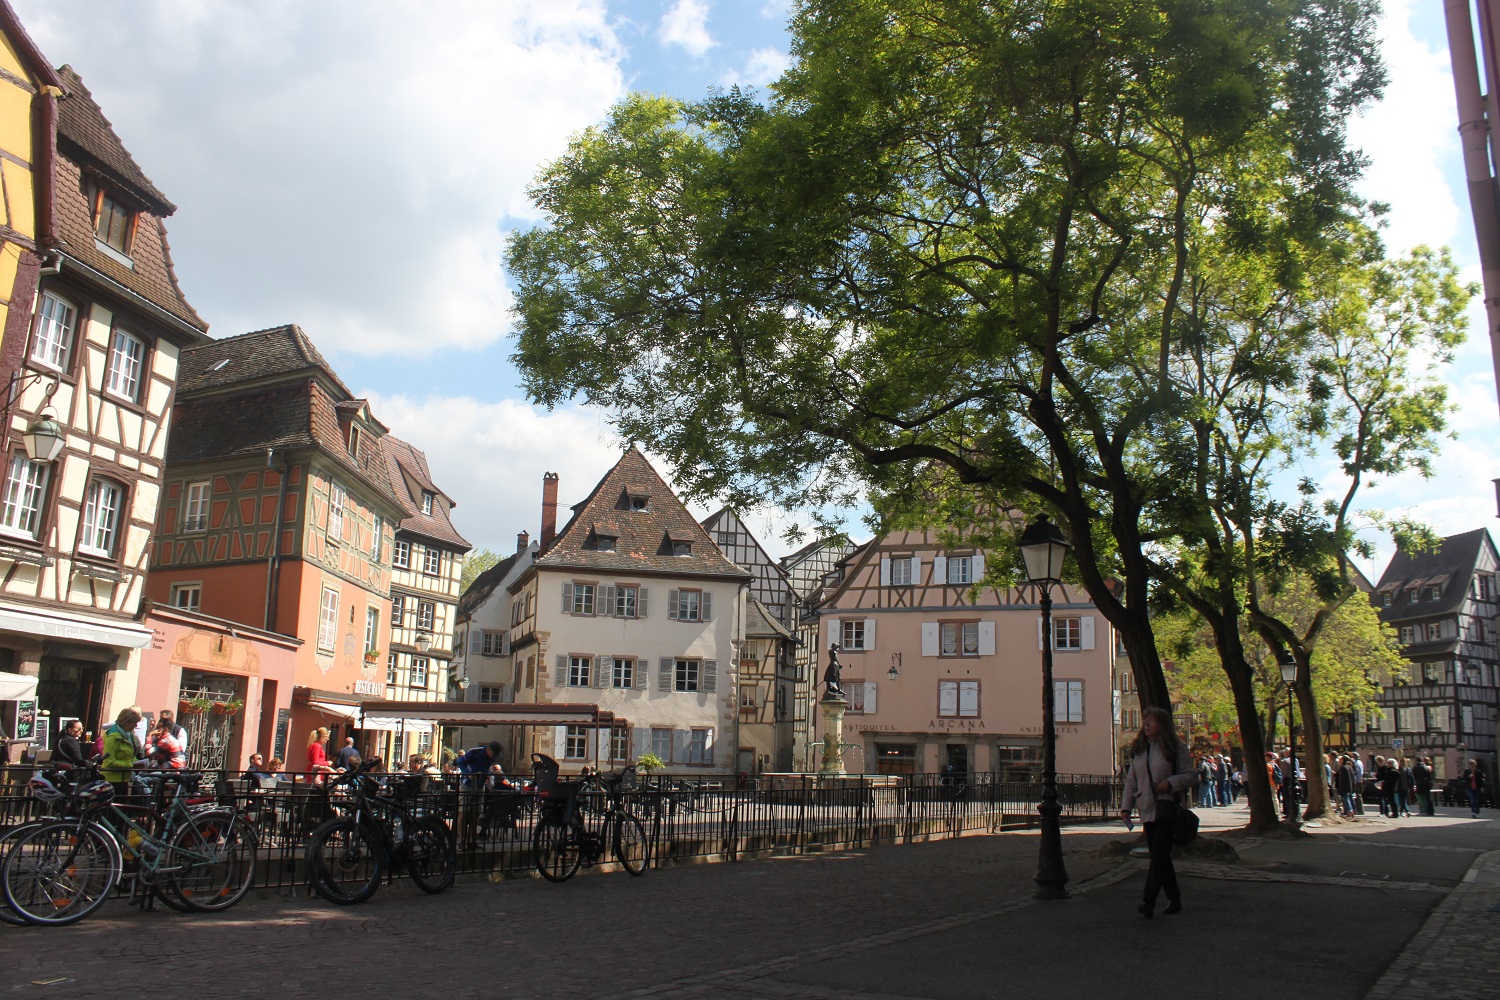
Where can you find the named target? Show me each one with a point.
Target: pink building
(936, 674)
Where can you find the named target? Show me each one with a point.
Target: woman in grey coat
(1160, 769)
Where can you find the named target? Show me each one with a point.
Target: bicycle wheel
(7, 840)
(631, 846)
(431, 860)
(60, 872)
(344, 862)
(557, 850)
(214, 854)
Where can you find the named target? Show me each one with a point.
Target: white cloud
(686, 24)
(763, 66)
(342, 165)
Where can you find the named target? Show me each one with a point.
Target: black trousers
(1161, 876)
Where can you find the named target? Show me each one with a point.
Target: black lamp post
(1288, 667)
(1043, 548)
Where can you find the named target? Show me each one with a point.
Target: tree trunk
(1312, 743)
(1263, 813)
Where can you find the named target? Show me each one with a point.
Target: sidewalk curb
(1456, 950)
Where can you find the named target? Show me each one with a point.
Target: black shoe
(1175, 906)
(1145, 910)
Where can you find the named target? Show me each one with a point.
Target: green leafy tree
(474, 564)
(946, 262)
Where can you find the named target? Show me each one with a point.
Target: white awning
(350, 712)
(385, 725)
(75, 628)
(16, 686)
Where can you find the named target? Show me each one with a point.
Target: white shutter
(642, 672)
(1075, 701)
(986, 638)
(567, 607)
(835, 632)
(978, 566)
(1086, 623)
(476, 640)
(968, 698)
(708, 677)
(606, 605)
(869, 633)
(948, 698)
(916, 571)
(708, 746)
(1444, 718)
(640, 603)
(559, 742)
(939, 570)
(885, 571)
(681, 740)
(666, 667)
(705, 606)
(640, 742)
(870, 704)
(929, 638)
(505, 644)
(562, 670)
(604, 669)
(672, 604)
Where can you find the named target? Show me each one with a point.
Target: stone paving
(1362, 910)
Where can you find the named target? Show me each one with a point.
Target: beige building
(937, 673)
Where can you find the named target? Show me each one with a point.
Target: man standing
(1225, 799)
(1290, 773)
(347, 755)
(1421, 780)
(1358, 763)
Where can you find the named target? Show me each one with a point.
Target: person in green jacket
(121, 749)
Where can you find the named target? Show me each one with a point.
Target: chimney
(523, 539)
(549, 508)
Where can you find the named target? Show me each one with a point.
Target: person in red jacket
(1474, 785)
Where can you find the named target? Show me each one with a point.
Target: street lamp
(44, 436)
(1043, 549)
(895, 670)
(423, 642)
(1288, 666)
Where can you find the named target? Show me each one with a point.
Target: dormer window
(633, 501)
(354, 441)
(426, 502)
(674, 546)
(1415, 594)
(113, 223)
(1435, 593)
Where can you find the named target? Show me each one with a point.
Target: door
(72, 689)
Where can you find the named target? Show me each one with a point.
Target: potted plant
(230, 707)
(194, 706)
(371, 655)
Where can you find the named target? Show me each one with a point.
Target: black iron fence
(686, 818)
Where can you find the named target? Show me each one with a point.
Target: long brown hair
(1168, 737)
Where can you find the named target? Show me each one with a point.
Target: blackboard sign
(19, 718)
(283, 724)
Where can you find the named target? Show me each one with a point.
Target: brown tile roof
(249, 357)
(407, 465)
(243, 424)
(485, 583)
(760, 623)
(641, 532)
(87, 143)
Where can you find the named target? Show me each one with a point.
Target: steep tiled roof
(485, 583)
(250, 357)
(405, 465)
(643, 544)
(244, 424)
(81, 123)
(760, 623)
(1450, 566)
(87, 143)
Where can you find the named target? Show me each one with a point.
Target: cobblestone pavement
(943, 921)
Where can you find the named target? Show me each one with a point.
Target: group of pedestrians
(1219, 781)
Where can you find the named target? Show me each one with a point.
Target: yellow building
(29, 89)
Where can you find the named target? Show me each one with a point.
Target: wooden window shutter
(562, 670)
(978, 566)
(885, 571)
(640, 741)
(476, 640)
(667, 667)
(604, 671)
(708, 676)
(869, 633)
(708, 746)
(567, 604)
(929, 638)
(606, 605)
(640, 603)
(681, 740)
(835, 632)
(986, 638)
(939, 570)
(672, 604)
(642, 670)
(871, 703)
(916, 571)
(1086, 629)
(705, 606)
(505, 644)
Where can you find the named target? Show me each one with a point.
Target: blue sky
(354, 167)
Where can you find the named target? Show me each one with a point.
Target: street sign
(1397, 743)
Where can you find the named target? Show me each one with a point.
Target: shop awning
(16, 686)
(386, 725)
(342, 711)
(467, 713)
(75, 628)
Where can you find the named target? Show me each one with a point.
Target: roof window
(219, 365)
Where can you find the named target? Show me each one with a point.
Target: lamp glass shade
(424, 641)
(891, 673)
(44, 439)
(463, 683)
(1043, 549)
(1288, 669)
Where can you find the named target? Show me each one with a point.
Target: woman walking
(1160, 769)
(1474, 785)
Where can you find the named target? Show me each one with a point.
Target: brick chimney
(549, 508)
(523, 539)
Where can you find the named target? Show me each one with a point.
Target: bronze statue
(833, 676)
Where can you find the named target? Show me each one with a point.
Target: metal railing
(686, 818)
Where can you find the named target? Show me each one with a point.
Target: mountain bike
(380, 832)
(562, 842)
(192, 854)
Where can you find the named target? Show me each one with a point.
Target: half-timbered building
(811, 572)
(939, 669)
(633, 608)
(279, 512)
(1442, 604)
(100, 353)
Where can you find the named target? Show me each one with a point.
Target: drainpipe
(273, 558)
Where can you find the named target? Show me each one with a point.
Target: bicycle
(561, 842)
(199, 858)
(379, 833)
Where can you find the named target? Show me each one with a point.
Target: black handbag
(1184, 826)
